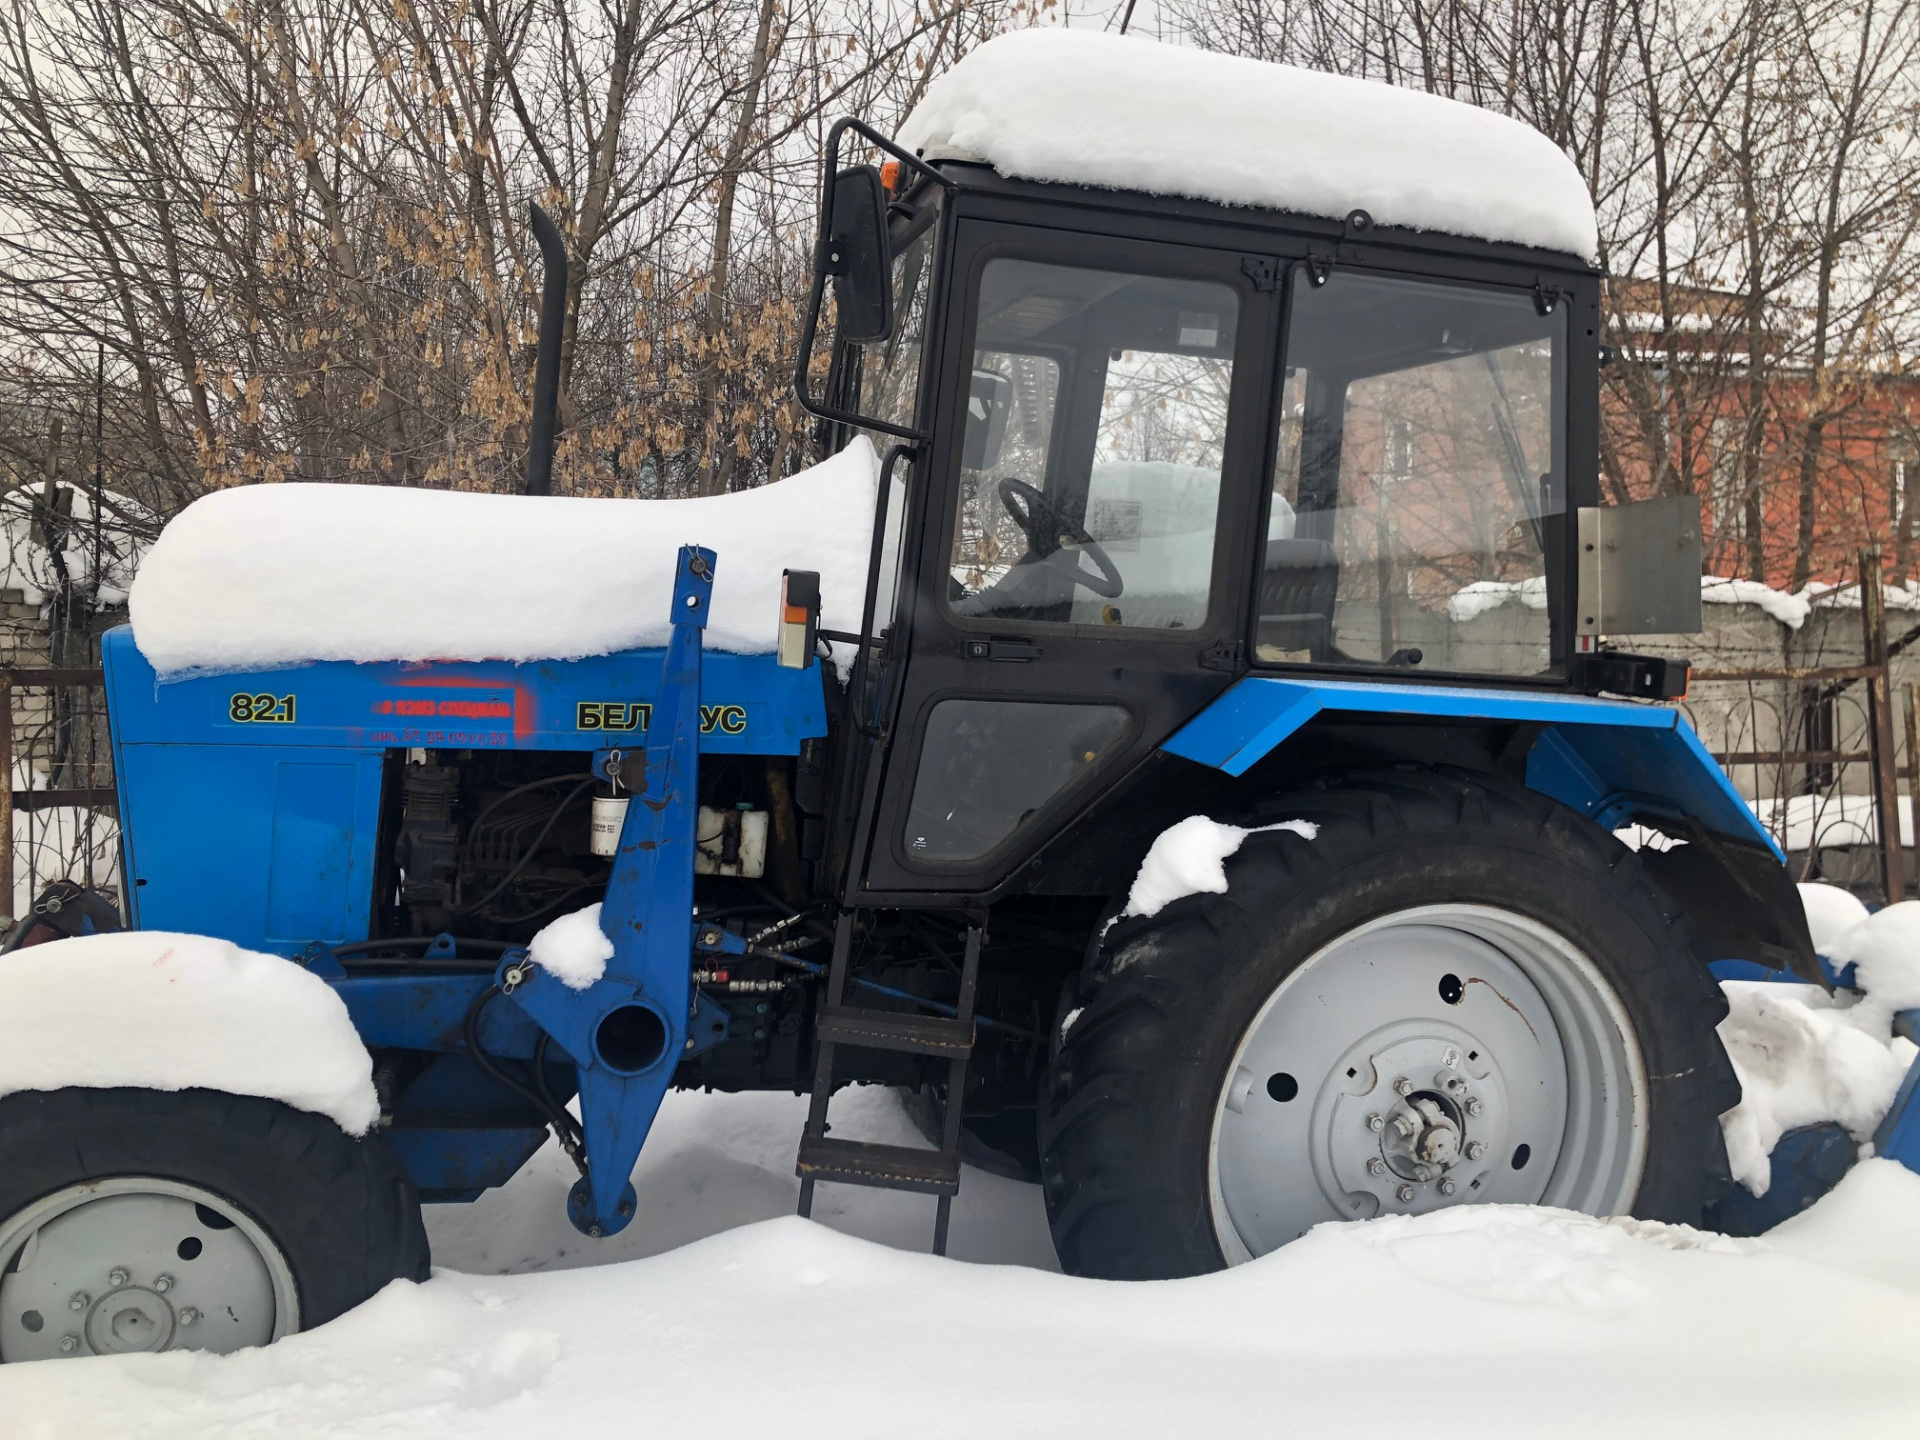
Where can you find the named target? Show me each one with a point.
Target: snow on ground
(1125, 113)
(166, 1012)
(264, 575)
(1807, 822)
(720, 1313)
(1485, 1323)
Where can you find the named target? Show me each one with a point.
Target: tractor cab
(1150, 444)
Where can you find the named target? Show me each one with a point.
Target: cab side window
(1096, 422)
(1419, 479)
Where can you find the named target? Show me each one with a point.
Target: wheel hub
(127, 1266)
(1440, 1117)
(128, 1321)
(1422, 1138)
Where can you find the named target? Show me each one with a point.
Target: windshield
(1419, 482)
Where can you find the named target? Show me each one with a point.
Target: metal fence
(1817, 749)
(61, 818)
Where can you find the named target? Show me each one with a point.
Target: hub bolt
(1473, 1106)
(1475, 1149)
(80, 1300)
(117, 1277)
(1446, 1187)
(1376, 1123)
(1376, 1166)
(1403, 1086)
(1456, 1085)
(1406, 1125)
(163, 1284)
(189, 1316)
(1445, 1079)
(1404, 1194)
(69, 1344)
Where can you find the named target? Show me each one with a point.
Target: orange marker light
(890, 175)
(799, 619)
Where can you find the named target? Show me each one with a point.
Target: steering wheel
(1046, 527)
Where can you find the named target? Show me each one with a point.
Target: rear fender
(1617, 762)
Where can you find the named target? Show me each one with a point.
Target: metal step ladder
(888, 1167)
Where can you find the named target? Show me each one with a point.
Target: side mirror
(860, 257)
(989, 402)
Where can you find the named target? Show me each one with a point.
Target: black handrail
(857, 684)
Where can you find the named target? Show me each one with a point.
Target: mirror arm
(809, 324)
(803, 389)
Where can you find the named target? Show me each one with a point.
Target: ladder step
(935, 1035)
(889, 1167)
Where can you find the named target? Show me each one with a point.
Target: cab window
(1419, 479)
(1095, 431)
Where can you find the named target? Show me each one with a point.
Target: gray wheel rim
(1438, 1056)
(135, 1264)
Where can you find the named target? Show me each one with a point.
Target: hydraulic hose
(565, 1128)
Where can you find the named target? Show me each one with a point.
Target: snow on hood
(267, 575)
(158, 1011)
(1125, 113)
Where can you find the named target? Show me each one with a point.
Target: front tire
(1224, 1072)
(146, 1220)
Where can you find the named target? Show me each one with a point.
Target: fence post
(1886, 785)
(1912, 770)
(6, 790)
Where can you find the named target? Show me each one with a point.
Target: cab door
(1093, 492)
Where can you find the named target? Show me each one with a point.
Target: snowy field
(720, 1314)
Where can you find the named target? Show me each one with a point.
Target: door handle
(1017, 651)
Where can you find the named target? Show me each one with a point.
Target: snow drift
(172, 1012)
(1543, 1323)
(267, 575)
(1123, 113)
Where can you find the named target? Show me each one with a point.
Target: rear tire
(283, 1221)
(1164, 1155)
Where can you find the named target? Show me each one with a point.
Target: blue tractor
(1189, 510)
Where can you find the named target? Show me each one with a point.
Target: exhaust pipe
(546, 367)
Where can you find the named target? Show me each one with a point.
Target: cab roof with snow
(1111, 112)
